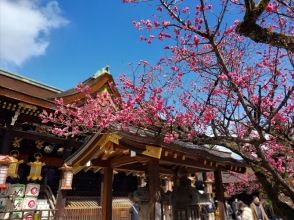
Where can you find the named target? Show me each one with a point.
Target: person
(267, 205)
(258, 210)
(229, 211)
(246, 212)
(211, 209)
(235, 206)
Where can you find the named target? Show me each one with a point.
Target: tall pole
(60, 202)
(153, 174)
(220, 194)
(106, 196)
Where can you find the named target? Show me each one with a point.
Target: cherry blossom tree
(226, 80)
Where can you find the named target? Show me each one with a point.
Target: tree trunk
(280, 208)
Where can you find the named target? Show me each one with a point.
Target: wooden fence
(95, 214)
(81, 208)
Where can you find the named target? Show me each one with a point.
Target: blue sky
(78, 38)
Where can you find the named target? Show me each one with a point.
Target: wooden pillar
(153, 177)
(106, 195)
(60, 202)
(220, 194)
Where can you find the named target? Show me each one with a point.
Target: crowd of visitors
(257, 210)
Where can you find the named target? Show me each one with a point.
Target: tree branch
(249, 28)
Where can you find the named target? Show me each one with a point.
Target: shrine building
(112, 174)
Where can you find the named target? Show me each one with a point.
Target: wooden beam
(153, 178)
(106, 197)
(126, 159)
(100, 163)
(33, 135)
(220, 194)
(141, 168)
(187, 162)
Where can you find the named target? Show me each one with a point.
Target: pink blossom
(196, 40)
(270, 8)
(165, 23)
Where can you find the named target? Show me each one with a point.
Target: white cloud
(24, 29)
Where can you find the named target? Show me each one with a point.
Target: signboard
(32, 189)
(18, 190)
(29, 203)
(42, 204)
(18, 203)
(3, 204)
(4, 215)
(152, 151)
(16, 215)
(6, 191)
(28, 216)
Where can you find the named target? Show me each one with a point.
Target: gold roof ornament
(101, 71)
(16, 142)
(39, 144)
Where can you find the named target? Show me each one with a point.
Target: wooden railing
(50, 196)
(95, 214)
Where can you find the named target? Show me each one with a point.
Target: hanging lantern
(67, 176)
(208, 186)
(4, 164)
(13, 166)
(36, 168)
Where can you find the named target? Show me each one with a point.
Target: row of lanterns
(9, 167)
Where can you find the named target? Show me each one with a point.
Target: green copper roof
(101, 71)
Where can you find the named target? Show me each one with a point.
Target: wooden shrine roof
(21, 102)
(26, 90)
(126, 151)
(22, 89)
(102, 79)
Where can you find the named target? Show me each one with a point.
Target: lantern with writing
(4, 164)
(67, 176)
(36, 168)
(13, 166)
